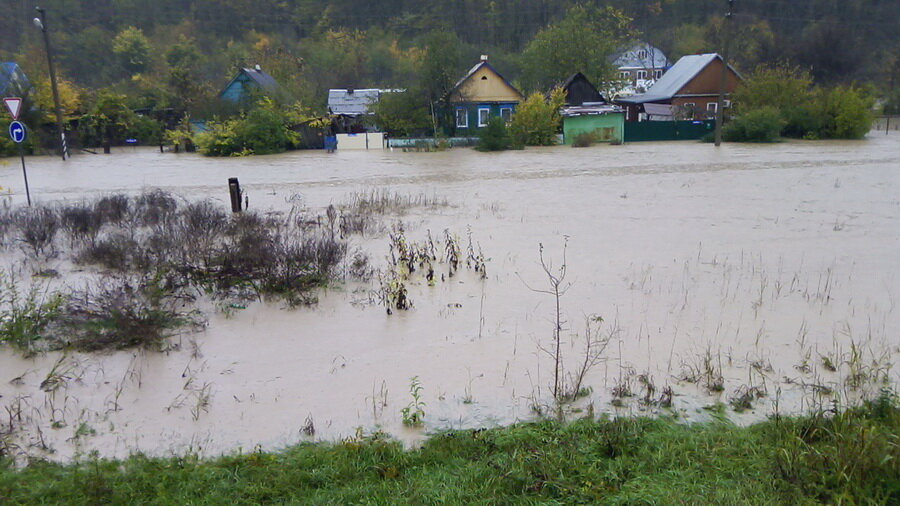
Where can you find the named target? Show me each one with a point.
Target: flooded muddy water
(774, 266)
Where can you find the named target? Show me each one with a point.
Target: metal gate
(636, 131)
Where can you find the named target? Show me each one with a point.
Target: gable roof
(478, 66)
(12, 80)
(265, 82)
(630, 58)
(679, 75)
(354, 102)
(593, 94)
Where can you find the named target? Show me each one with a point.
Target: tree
(133, 49)
(583, 41)
(402, 114)
(537, 120)
(441, 63)
(108, 121)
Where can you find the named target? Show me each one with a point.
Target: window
(657, 74)
(506, 114)
(642, 74)
(712, 107)
(625, 75)
(483, 115)
(642, 54)
(689, 110)
(462, 118)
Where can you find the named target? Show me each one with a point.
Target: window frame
(465, 116)
(624, 74)
(657, 74)
(506, 108)
(643, 54)
(487, 117)
(712, 107)
(642, 75)
(690, 108)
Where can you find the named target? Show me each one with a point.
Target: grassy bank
(852, 458)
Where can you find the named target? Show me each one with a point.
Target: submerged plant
(414, 413)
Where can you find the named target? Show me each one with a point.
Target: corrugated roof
(630, 58)
(354, 102)
(680, 74)
(589, 109)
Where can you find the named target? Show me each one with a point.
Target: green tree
(494, 136)
(537, 120)
(133, 49)
(848, 113)
(583, 41)
(401, 114)
(109, 120)
(759, 125)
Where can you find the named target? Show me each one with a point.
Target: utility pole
(41, 22)
(720, 103)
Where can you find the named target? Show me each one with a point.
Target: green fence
(636, 131)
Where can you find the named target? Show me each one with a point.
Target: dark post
(41, 22)
(720, 103)
(234, 189)
(25, 173)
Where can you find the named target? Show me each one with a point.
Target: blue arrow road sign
(17, 131)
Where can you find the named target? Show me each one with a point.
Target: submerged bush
(37, 228)
(26, 318)
(495, 136)
(760, 125)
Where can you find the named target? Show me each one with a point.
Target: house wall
(609, 127)
(237, 89)
(581, 91)
(472, 113)
(485, 86)
(709, 80)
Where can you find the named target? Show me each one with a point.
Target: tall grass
(850, 457)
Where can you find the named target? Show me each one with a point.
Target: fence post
(234, 189)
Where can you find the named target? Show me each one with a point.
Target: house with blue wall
(480, 95)
(251, 83)
(13, 82)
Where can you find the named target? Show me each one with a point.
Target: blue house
(13, 82)
(250, 83)
(483, 93)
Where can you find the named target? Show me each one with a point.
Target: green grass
(849, 458)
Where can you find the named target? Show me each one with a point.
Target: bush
(760, 125)
(264, 130)
(537, 120)
(495, 136)
(848, 113)
(583, 140)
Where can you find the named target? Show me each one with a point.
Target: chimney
(258, 68)
(484, 57)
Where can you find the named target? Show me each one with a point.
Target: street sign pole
(18, 134)
(25, 173)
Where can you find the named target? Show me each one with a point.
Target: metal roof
(264, 80)
(590, 109)
(354, 102)
(630, 58)
(679, 75)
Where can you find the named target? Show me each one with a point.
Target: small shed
(579, 90)
(606, 122)
(350, 108)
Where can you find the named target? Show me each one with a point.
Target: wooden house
(480, 95)
(688, 90)
(579, 91)
(639, 67)
(251, 83)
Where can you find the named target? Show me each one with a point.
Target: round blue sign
(17, 131)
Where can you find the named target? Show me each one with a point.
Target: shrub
(37, 228)
(760, 125)
(848, 113)
(25, 319)
(264, 130)
(583, 140)
(537, 120)
(495, 136)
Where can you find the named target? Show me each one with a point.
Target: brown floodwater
(772, 263)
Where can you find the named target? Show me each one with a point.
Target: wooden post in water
(234, 189)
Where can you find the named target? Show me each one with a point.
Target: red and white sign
(14, 105)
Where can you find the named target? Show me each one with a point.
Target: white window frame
(657, 74)
(625, 74)
(690, 108)
(487, 116)
(465, 117)
(712, 107)
(642, 75)
(507, 108)
(642, 54)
